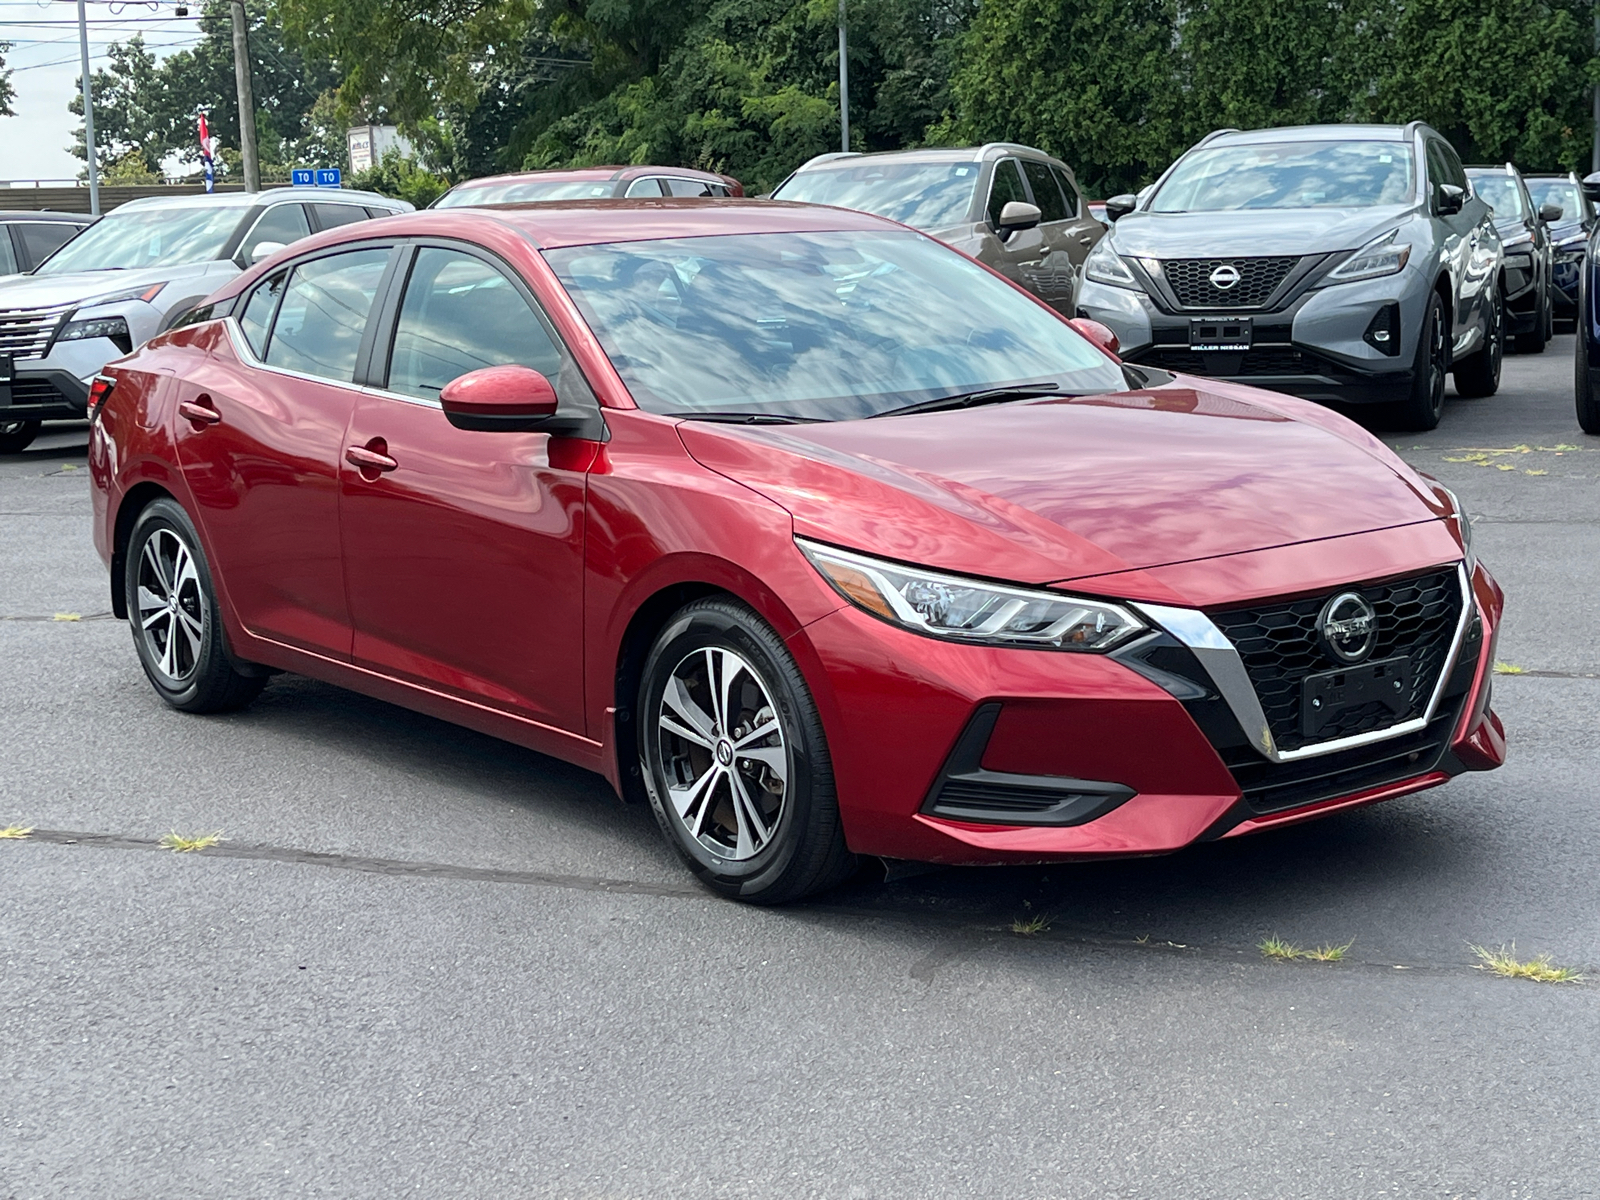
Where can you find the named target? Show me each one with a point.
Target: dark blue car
(1569, 235)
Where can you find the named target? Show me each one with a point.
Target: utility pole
(247, 103)
(844, 80)
(88, 113)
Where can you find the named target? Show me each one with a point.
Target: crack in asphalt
(972, 935)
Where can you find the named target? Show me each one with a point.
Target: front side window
(1563, 193)
(1501, 193)
(816, 326)
(525, 191)
(648, 186)
(460, 314)
(284, 223)
(1288, 175)
(331, 216)
(256, 318)
(323, 314)
(1045, 192)
(1005, 187)
(923, 195)
(131, 238)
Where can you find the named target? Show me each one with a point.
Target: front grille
(1190, 280)
(1261, 360)
(1280, 646)
(25, 332)
(36, 392)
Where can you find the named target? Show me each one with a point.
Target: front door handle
(1086, 240)
(370, 458)
(200, 410)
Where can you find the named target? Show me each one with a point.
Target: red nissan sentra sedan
(810, 532)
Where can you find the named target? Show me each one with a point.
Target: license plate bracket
(1220, 333)
(8, 368)
(1328, 695)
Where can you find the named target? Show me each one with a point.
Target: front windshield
(1288, 175)
(923, 195)
(819, 326)
(524, 191)
(130, 238)
(1563, 193)
(1500, 192)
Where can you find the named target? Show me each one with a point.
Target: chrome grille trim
(26, 332)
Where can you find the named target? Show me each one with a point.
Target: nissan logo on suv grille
(1224, 277)
(1349, 627)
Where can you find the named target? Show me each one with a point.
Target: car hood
(1566, 229)
(81, 287)
(1051, 490)
(1258, 231)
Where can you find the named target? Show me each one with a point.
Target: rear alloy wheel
(177, 628)
(1479, 373)
(1424, 403)
(17, 436)
(734, 758)
(1583, 386)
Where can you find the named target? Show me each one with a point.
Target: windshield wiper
(997, 395)
(747, 418)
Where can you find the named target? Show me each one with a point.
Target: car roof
(595, 173)
(250, 199)
(1312, 133)
(931, 154)
(46, 214)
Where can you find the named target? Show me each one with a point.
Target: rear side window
(1004, 188)
(331, 216)
(284, 223)
(256, 318)
(8, 259)
(648, 186)
(1068, 192)
(323, 314)
(687, 187)
(41, 239)
(460, 314)
(1045, 192)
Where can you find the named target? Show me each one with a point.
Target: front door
(1020, 256)
(464, 560)
(260, 436)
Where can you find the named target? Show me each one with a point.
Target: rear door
(261, 437)
(464, 560)
(1055, 277)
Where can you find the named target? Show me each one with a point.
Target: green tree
(7, 93)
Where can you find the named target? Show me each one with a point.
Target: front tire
(1533, 342)
(1479, 374)
(734, 758)
(17, 436)
(172, 609)
(1583, 386)
(1424, 403)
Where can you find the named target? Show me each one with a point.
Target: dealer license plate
(1326, 697)
(1224, 333)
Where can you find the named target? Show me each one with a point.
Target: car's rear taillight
(99, 388)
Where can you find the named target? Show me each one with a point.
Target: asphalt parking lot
(425, 963)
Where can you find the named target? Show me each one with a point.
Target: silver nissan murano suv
(1349, 264)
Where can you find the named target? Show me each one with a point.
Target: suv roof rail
(1005, 146)
(829, 157)
(1213, 135)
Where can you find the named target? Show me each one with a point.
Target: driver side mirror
(265, 250)
(1098, 334)
(1016, 216)
(1591, 186)
(510, 399)
(1451, 198)
(1551, 213)
(1120, 206)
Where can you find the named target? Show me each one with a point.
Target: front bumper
(1094, 758)
(55, 386)
(1315, 347)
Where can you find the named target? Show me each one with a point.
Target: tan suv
(1011, 207)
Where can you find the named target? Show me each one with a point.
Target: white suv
(133, 274)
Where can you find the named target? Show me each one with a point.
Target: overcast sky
(44, 62)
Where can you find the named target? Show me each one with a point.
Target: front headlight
(1382, 256)
(1462, 523)
(115, 328)
(971, 610)
(1103, 266)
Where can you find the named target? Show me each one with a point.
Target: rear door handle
(369, 459)
(200, 410)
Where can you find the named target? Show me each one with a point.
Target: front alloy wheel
(734, 757)
(17, 436)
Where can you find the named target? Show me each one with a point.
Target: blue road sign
(302, 178)
(329, 177)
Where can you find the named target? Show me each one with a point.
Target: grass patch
(1505, 668)
(1033, 925)
(1505, 963)
(184, 845)
(16, 832)
(1276, 948)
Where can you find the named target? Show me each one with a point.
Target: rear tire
(172, 609)
(1479, 373)
(1424, 404)
(17, 436)
(734, 758)
(1583, 388)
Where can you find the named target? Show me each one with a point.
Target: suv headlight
(1103, 266)
(114, 328)
(971, 610)
(1462, 523)
(1385, 255)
